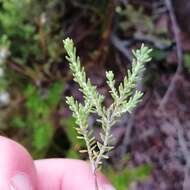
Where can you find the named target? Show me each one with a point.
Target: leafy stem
(125, 99)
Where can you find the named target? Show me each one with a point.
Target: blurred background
(152, 144)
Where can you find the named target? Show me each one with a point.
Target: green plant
(4, 52)
(136, 18)
(125, 99)
(123, 179)
(31, 29)
(187, 61)
(16, 24)
(75, 144)
(28, 58)
(40, 106)
(143, 25)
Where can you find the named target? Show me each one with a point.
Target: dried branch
(185, 152)
(176, 32)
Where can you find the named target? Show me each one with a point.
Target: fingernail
(20, 182)
(108, 187)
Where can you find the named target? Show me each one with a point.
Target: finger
(68, 174)
(17, 171)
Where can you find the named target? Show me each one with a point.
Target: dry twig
(185, 152)
(121, 45)
(176, 31)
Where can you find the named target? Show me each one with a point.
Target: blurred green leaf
(70, 125)
(122, 179)
(55, 91)
(42, 136)
(187, 61)
(18, 122)
(159, 55)
(76, 144)
(73, 154)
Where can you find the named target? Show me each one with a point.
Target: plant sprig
(125, 99)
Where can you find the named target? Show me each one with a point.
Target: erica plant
(125, 99)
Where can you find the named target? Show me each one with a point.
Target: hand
(19, 172)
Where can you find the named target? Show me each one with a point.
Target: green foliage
(125, 99)
(28, 49)
(4, 52)
(40, 106)
(136, 18)
(15, 23)
(122, 179)
(12, 17)
(75, 144)
(28, 31)
(187, 61)
(159, 55)
(142, 25)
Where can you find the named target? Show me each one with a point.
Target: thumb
(68, 174)
(17, 171)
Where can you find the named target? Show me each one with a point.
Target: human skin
(19, 172)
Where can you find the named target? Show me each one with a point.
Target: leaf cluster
(125, 99)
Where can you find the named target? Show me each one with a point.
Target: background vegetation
(152, 144)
